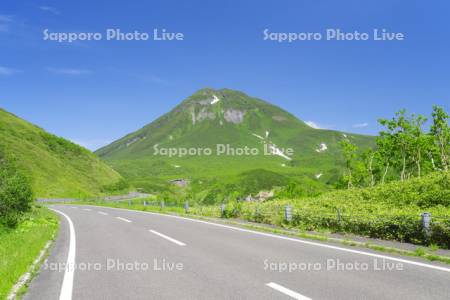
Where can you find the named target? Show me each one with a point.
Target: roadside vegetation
(21, 245)
(391, 212)
(24, 228)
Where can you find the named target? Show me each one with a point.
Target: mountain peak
(223, 92)
(210, 118)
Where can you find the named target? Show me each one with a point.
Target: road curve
(123, 254)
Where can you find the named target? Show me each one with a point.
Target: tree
(441, 132)
(403, 139)
(385, 153)
(403, 134)
(368, 159)
(419, 141)
(388, 145)
(349, 152)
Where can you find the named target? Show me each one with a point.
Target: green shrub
(251, 182)
(61, 146)
(440, 234)
(120, 186)
(16, 195)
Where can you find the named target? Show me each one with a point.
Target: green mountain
(56, 167)
(226, 117)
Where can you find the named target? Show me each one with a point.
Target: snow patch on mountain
(319, 175)
(322, 148)
(215, 99)
(258, 136)
(274, 150)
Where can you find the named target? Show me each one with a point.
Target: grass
(57, 167)
(19, 247)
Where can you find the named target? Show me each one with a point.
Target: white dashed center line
(123, 219)
(168, 238)
(287, 291)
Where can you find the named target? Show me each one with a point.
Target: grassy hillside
(225, 117)
(56, 167)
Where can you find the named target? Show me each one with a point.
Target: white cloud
(360, 125)
(313, 125)
(50, 9)
(91, 144)
(72, 72)
(4, 71)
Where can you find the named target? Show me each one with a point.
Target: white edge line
(168, 238)
(297, 240)
(67, 286)
(123, 219)
(287, 291)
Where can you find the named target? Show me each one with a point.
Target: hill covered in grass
(223, 121)
(55, 166)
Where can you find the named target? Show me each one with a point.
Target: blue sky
(94, 92)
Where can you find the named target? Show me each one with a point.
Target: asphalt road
(121, 254)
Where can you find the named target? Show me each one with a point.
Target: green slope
(210, 117)
(57, 167)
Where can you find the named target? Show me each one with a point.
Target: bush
(440, 234)
(251, 182)
(120, 186)
(428, 191)
(16, 195)
(61, 146)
